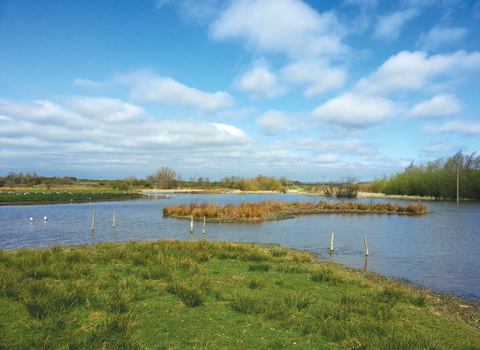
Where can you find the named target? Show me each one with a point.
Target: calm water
(440, 250)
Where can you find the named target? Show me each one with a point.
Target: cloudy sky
(304, 89)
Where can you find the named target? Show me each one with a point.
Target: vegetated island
(279, 210)
(23, 196)
(216, 295)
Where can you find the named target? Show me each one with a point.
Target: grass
(277, 210)
(202, 295)
(19, 196)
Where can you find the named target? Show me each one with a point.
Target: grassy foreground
(277, 210)
(202, 295)
(21, 196)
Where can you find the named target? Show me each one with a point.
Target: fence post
(366, 246)
(331, 244)
(114, 214)
(93, 221)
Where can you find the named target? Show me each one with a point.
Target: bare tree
(165, 177)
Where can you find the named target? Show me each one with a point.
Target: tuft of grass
(255, 283)
(259, 266)
(247, 303)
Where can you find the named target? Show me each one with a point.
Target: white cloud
(351, 147)
(438, 106)
(89, 84)
(326, 158)
(284, 26)
(230, 130)
(436, 148)
(111, 131)
(107, 109)
(440, 36)
(465, 127)
(317, 75)
(413, 70)
(40, 111)
(260, 82)
(389, 27)
(352, 110)
(277, 122)
(149, 87)
(201, 11)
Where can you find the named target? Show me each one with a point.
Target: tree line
(162, 178)
(435, 179)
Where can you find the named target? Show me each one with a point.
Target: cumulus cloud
(150, 87)
(414, 70)
(465, 127)
(282, 26)
(389, 26)
(353, 110)
(317, 75)
(437, 148)
(438, 106)
(106, 109)
(101, 130)
(277, 122)
(260, 82)
(351, 147)
(439, 36)
(42, 111)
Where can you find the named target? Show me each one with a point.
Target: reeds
(277, 210)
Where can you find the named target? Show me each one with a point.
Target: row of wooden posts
(191, 230)
(364, 239)
(95, 213)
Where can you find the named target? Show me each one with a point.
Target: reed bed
(278, 210)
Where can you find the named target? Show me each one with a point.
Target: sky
(311, 90)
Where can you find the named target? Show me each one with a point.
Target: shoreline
(247, 292)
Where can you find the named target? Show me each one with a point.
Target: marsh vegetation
(202, 295)
(277, 210)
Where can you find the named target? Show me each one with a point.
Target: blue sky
(302, 89)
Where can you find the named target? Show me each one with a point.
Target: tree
(165, 177)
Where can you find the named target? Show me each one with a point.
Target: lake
(440, 250)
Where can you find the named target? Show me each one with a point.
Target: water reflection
(439, 250)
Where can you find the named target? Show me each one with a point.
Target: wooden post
(204, 225)
(191, 225)
(366, 246)
(331, 244)
(93, 222)
(114, 214)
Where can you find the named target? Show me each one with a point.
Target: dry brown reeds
(277, 210)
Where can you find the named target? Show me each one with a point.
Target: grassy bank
(201, 295)
(277, 210)
(21, 196)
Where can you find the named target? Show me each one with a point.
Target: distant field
(48, 196)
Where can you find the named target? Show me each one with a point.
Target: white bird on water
(31, 219)
(45, 218)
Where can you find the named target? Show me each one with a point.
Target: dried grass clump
(277, 210)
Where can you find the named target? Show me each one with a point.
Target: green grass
(202, 295)
(47, 196)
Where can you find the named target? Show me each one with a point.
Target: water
(439, 250)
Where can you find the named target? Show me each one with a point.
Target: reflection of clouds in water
(439, 250)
